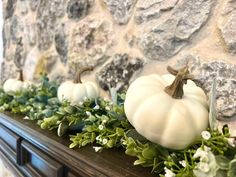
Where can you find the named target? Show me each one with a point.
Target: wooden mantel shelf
(32, 152)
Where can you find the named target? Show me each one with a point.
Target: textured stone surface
(89, 43)
(118, 72)
(227, 26)
(34, 4)
(77, 9)
(16, 29)
(169, 37)
(6, 33)
(47, 14)
(61, 43)
(121, 10)
(31, 62)
(23, 6)
(10, 8)
(8, 70)
(152, 9)
(20, 53)
(54, 8)
(30, 33)
(45, 29)
(225, 74)
(46, 63)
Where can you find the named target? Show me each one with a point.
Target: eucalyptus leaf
(221, 173)
(212, 111)
(222, 162)
(113, 93)
(77, 127)
(232, 169)
(62, 128)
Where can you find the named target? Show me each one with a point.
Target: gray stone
(45, 32)
(168, 4)
(227, 27)
(47, 14)
(30, 33)
(121, 10)
(61, 43)
(10, 8)
(225, 74)
(55, 8)
(152, 9)
(118, 72)
(5, 41)
(34, 4)
(20, 54)
(90, 43)
(168, 38)
(77, 9)
(23, 6)
(8, 70)
(228, 7)
(16, 29)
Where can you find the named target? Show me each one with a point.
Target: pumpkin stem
(175, 90)
(21, 77)
(79, 73)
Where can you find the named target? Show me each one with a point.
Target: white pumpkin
(14, 85)
(173, 121)
(76, 91)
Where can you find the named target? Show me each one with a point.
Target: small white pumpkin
(14, 85)
(76, 91)
(165, 111)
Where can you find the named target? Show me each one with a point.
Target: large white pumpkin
(76, 91)
(171, 122)
(14, 85)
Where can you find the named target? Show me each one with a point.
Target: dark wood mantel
(33, 152)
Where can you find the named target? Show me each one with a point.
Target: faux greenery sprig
(103, 123)
(36, 102)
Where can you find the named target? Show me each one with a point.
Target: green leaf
(110, 143)
(113, 93)
(213, 112)
(149, 153)
(69, 109)
(130, 152)
(91, 128)
(62, 128)
(222, 162)
(221, 173)
(232, 169)
(120, 131)
(73, 145)
(140, 161)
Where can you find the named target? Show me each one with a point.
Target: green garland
(103, 123)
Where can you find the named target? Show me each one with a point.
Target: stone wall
(123, 39)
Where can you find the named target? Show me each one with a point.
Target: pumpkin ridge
(169, 126)
(139, 98)
(197, 106)
(142, 105)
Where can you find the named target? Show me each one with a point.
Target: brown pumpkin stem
(79, 73)
(21, 77)
(175, 90)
